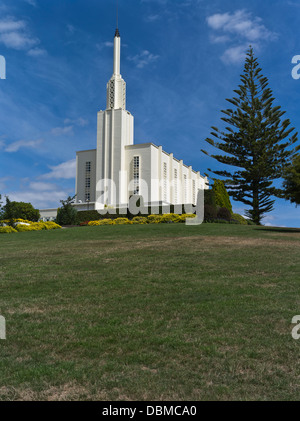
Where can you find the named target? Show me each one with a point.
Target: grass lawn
(150, 312)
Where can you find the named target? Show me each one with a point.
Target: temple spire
(116, 87)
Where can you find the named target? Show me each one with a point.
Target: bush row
(24, 226)
(151, 219)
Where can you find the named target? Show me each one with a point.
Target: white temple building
(143, 169)
(106, 177)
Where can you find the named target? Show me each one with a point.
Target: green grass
(150, 312)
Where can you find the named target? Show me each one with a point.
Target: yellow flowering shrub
(106, 222)
(170, 217)
(184, 216)
(139, 220)
(50, 225)
(7, 230)
(94, 223)
(122, 221)
(37, 226)
(154, 219)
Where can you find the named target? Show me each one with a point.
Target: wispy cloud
(3, 181)
(39, 199)
(37, 52)
(42, 186)
(58, 131)
(16, 146)
(82, 122)
(241, 23)
(240, 28)
(31, 2)
(235, 55)
(15, 34)
(65, 170)
(143, 59)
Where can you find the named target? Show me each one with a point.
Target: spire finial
(117, 33)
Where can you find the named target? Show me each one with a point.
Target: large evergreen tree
(291, 182)
(256, 140)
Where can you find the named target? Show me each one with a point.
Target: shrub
(249, 222)
(140, 220)
(7, 230)
(37, 226)
(210, 198)
(13, 210)
(106, 221)
(239, 218)
(85, 216)
(50, 225)
(221, 195)
(210, 213)
(94, 223)
(67, 214)
(154, 219)
(184, 216)
(122, 221)
(224, 213)
(170, 218)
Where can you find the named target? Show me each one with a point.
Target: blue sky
(181, 59)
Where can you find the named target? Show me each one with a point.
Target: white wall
(81, 158)
(114, 132)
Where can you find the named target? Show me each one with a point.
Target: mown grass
(150, 312)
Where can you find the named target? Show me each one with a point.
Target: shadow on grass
(279, 229)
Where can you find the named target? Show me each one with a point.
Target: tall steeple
(116, 87)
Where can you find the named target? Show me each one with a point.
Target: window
(194, 192)
(175, 186)
(136, 175)
(185, 188)
(88, 166)
(165, 181)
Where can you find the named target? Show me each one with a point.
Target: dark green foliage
(20, 210)
(209, 198)
(91, 215)
(256, 141)
(67, 214)
(239, 218)
(224, 213)
(1, 208)
(9, 212)
(291, 182)
(221, 195)
(210, 213)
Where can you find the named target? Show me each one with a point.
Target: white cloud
(71, 29)
(143, 59)
(242, 24)
(65, 170)
(17, 40)
(153, 18)
(3, 183)
(31, 2)
(41, 186)
(15, 146)
(58, 131)
(235, 55)
(37, 52)
(79, 121)
(15, 34)
(39, 199)
(240, 28)
(219, 39)
(10, 24)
